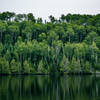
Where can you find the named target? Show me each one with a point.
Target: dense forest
(30, 46)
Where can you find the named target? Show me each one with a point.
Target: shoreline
(56, 73)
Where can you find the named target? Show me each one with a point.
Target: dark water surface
(49, 88)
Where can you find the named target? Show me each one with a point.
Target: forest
(29, 45)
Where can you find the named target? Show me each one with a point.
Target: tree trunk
(69, 38)
(1, 36)
(96, 58)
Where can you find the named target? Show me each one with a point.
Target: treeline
(30, 46)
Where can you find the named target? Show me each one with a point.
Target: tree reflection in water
(49, 88)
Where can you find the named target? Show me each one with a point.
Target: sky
(45, 8)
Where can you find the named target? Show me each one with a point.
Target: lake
(44, 87)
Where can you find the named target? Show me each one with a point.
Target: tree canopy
(30, 46)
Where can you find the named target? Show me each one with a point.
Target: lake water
(50, 88)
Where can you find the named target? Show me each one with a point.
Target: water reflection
(49, 88)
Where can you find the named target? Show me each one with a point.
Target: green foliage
(64, 64)
(4, 66)
(1, 48)
(68, 44)
(26, 68)
(91, 37)
(15, 67)
(51, 37)
(87, 66)
(41, 68)
(74, 66)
